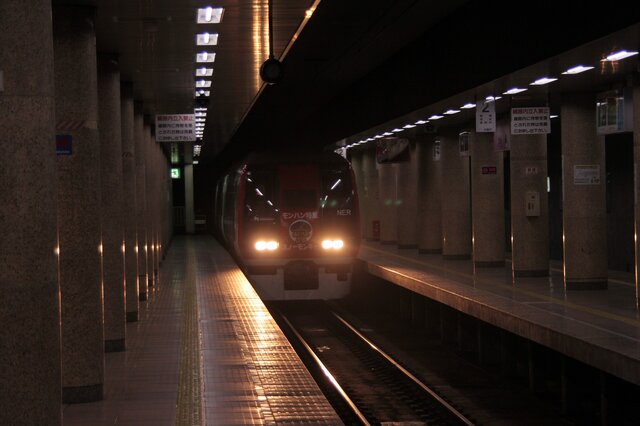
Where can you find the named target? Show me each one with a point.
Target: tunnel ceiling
(350, 66)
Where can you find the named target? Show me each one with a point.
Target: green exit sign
(175, 173)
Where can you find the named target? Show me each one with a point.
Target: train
(291, 221)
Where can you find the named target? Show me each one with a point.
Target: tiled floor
(598, 327)
(205, 351)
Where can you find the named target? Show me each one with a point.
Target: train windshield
(261, 196)
(337, 192)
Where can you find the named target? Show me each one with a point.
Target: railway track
(365, 385)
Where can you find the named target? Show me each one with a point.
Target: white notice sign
(586, 174)
(485, 116)
(530, 121)
(175, 128)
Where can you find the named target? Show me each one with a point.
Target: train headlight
(266, 245)
(332, 244)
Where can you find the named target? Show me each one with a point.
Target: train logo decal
(298, 215)
(300, 231)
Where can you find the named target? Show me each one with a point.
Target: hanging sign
(175, 128)
(530, 121)
(485, 116)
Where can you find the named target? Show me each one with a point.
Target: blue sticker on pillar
(63, 144)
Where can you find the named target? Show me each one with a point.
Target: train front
(299, 231)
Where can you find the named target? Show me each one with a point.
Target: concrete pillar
(141, 200)
(407, 203)
(189, 214)
(529, 226)
(29, 296)
(636, 165)
(156, 154)
(149, 213)
(356, 165)
(584, 205)
(487, 201)
(456, 206)
(387, 205)
(370, 215)
(129, 204)
(112, 203)
(79, 205)
(429, 195)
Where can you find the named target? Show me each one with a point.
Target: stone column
(429, 195)
(356, 165)
(156, 154)
(636, 166)
(141, 200)
(529, 223)
(148, 170)
(487, 201)
(584, 205)
(456, 205)
(30, 392)
(407, 203)
(188, 189)
(79, 204)
(129, 203)
(112, 202)
(371, 188)
(387, 205)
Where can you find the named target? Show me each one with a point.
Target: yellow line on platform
(594, 311)
(189, 404)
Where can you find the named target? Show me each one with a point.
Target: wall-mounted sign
(489, 170)
(530, 121)
(175, 173)
(485, 116)
(463, 144)
(586, 174)
(614, 111)
(175, 128)
(435, 152)
(64, 145)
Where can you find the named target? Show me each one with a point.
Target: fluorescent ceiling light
(201, 114)
(451, 111)
(210, 15)
(387, 134)
(492, 98)
(436, 117)
(397, 130)
(577, 69)
(370, 139)
(200, 109)
(200, 120)
(409, 126)
(543, 81)
(207, 39)
(468, 105)
(514, 90)
(619, 55)
(421, 122)
(203, 93)
(553, 116)
(203, 83)
(204, 72)
(205, 57)
(378, 136)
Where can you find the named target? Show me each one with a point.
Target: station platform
(205, 351)
(600, 328)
